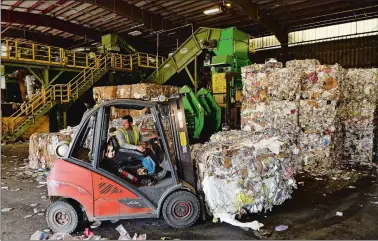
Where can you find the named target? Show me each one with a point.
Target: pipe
(168, 30)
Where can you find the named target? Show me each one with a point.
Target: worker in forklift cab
(128, 135)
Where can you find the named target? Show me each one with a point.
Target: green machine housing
(202, 113)
(230, 55)
(227, 51)
(113, 43)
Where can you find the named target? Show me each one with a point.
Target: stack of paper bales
(318, 117)
(357, 113)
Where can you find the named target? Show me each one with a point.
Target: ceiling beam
(253, 11)
(16, 4)
(35, 5)
(151, 21)
(48, 21)
(41, 38)
(53, 6)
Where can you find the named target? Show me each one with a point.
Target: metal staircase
(40, 104)
(93, 68)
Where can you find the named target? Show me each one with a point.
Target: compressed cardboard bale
(303, 64)
(315, 162)
(360, 84)
(42, 149)
(255, 87)
(270, 116)
(314, 142)
(104, 93)
(260, 68)
(317, 116)
(124, 91)
(170, 90)
(255, 79)
(323, 83)
(118, 113)
(146, 91)
(284, 84)
(357, 113)
(243, 173)
(359, 144)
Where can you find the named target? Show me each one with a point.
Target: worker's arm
(122, 141)
(146, 138)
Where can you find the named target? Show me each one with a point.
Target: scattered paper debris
(38, 235)
(95, 224)
(340, 214)
(300, 183)
(6, 209)
(351, 187)
(280, 228)
(33, 205)
(28, 216)
(319, 178)
(5, 188)
(124, 235)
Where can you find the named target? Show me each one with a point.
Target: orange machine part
(72, 181)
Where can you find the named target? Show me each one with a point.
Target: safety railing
(149, 60)
(44, 54)
(62, 93)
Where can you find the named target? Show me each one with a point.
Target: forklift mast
(185, 166)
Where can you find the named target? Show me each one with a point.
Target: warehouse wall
(354, 52)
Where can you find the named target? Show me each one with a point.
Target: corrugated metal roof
(293, 14)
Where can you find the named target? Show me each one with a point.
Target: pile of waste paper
(242, 173)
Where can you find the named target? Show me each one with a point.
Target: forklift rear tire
(62, 217)
(181, 209)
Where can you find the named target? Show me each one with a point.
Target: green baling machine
(226, 52)
(202, 113)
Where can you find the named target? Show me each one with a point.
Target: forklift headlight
(62, 148)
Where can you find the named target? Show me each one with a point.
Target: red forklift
(80, 189)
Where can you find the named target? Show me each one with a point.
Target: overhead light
(228, 5)
(213, 11)
(135, 33)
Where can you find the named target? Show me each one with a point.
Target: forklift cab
(79, 187)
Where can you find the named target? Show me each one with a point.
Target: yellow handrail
(73, 89)
(44, 54)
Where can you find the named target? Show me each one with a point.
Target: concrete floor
(310, 214)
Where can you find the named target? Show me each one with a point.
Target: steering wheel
(155, 139)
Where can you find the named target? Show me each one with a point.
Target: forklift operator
(128, 137)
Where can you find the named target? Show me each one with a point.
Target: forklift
(80, 190)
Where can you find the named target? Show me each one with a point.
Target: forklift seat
(126, 156)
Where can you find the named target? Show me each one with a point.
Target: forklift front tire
(181, 209)
(62, 217)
